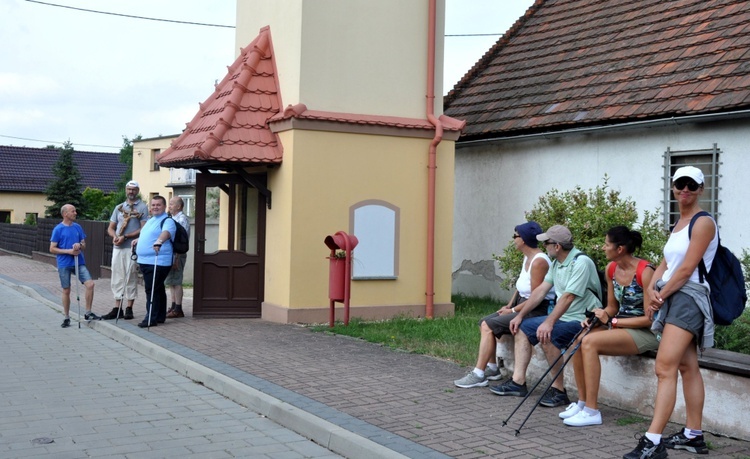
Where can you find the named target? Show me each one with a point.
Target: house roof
(231, 127)
(575, 63)
(29, 170)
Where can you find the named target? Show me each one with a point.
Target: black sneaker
(66, 323)
(91, 316)
(555, 397)
(678, 440)
(145, 324)
(510, 387)
(647, 450)
(112, 315)
(128, 313)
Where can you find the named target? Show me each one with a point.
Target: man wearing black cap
(124, 226)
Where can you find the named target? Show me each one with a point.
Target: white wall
(496, 183)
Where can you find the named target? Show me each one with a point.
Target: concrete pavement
(70, 393)
(355, 398)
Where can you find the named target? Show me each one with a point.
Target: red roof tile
(231, 126)
(573, 63)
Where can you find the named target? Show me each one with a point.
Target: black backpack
(728, 295)
(602, 281)
(181, 240)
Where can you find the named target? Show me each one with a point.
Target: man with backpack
(578, 289)
(174, 279)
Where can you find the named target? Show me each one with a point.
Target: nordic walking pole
(153, 285)
(533, 388)
(78, 289)
(592, 324)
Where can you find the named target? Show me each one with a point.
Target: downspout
(432, 161)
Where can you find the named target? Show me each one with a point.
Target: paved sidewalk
(402, 402)
(75, 393)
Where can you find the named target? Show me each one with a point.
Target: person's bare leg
(522, 350)
(673, 346)
(692, 388)
(552, 353)
(486, 344)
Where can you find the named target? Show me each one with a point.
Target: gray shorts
(500, 323)
(682, 311)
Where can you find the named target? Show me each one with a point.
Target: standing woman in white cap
(124, 226)
(680, 306)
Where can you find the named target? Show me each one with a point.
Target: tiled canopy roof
(230, 128)
(29, 170)
(574, 63)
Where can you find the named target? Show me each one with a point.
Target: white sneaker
(571, 410)
(583, 419)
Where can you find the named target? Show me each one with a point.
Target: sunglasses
(515, 235)
(682, 182)
(549, 242)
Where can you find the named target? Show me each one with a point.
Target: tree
(66, 189)
(588, 215)
(118, 196)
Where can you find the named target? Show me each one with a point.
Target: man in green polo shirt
(577, 286)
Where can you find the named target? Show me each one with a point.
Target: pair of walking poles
(134, 257)
(576, 343)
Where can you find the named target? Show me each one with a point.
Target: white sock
(479, 372)
(581, 404)
(690, 433)
(655, 438)
(492, 366)
(590, 411)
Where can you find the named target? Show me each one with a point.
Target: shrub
(588, 215)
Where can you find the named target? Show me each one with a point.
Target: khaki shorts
(175, 275)
(644, 339)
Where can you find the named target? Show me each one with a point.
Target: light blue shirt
(149, 233)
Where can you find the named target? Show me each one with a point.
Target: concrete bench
(629, 383)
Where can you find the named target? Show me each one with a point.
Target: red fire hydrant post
(340, 272)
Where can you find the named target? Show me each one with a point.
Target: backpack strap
(642, 265)
(161, 226)
(702, 271)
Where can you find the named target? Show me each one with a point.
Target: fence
(26, 239)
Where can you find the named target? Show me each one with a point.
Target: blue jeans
(562, 332)
(67, 271)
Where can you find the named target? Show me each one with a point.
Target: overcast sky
(91, 78)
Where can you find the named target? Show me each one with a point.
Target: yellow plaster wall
(151, 181)
(342, 170)
(22, 203)
(351, 56)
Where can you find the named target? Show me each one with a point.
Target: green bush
(588, 215)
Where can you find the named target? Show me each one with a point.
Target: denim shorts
(65, 273)
(562, 332)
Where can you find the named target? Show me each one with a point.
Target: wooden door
(229, 247)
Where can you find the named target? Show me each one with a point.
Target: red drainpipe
(432, 161)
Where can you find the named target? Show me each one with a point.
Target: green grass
(457, 338)
(630, 420)
(454, 338)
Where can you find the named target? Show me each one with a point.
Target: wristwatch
(614, 322)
